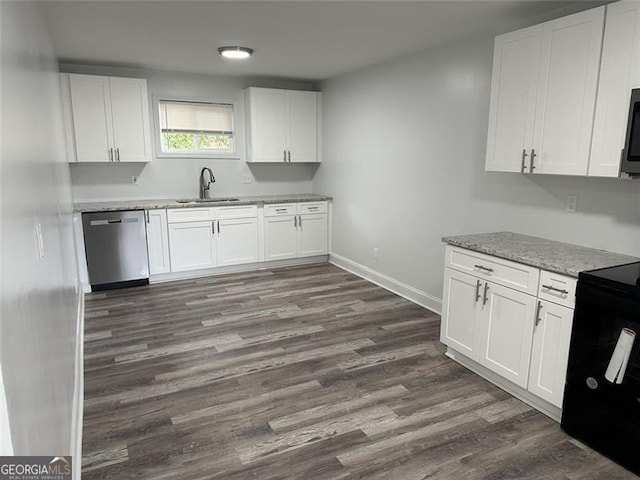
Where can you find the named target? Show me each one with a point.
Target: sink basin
(208, 200)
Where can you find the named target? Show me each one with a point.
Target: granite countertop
(558, 257)
(112, 206)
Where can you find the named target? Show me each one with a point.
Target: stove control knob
(592, 383)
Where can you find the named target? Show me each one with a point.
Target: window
(196, 128)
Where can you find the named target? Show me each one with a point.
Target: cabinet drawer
(279, 209)
(239, 211)
(503, 272)
(312, 207)
(557, 288)
(177, 215)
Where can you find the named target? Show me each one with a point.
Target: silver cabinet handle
(148, 218)
(478, 290)
(111, 154)
(486, 288)
(295, 221)
(554, 289)
(482, 267)
(538, 319)
(524, 160)
(312, 208)
(289, 156)
(300, 221)
(218, 227)
(118, 154)
(533, 156)
(213, 227)
(284, 155)
(281, 210)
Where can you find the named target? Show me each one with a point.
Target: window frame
(236, 140)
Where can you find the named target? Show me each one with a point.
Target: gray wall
(178, 177)
(39, 304)
(404, 146)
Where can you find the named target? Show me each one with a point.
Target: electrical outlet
(134, 179)
(246, 178)
(375, 253)
(572, 203)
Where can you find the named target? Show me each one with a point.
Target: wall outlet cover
(246, 178)
(572, 203)
(134, 179)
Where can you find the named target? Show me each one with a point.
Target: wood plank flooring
(298, 373)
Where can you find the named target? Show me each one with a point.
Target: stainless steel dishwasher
(116, 249)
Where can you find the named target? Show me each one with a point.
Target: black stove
(601, 405)
(623, 277)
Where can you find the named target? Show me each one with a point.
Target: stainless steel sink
(208, 200)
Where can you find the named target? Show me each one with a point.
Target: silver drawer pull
(482, 267)
(281, 210)
(554, 289)
(312, 208)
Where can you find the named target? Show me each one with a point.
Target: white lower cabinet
(280, 237)
(295, 230)
(192, 246)
(488, 323)
(550, 351)
(519, 334)
(158, 242)
(459, 311)
(505, 332)
(312, 234)
(237, 241)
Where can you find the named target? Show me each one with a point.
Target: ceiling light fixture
(237, 53)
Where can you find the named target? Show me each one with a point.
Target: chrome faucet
(205, 186)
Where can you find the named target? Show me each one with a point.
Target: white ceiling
(311, 40)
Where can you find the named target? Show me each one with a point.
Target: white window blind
(196, 117)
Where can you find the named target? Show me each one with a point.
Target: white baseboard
(520, 393)
(246, 267)
(78, 393)
(399, 288)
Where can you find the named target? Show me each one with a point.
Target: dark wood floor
(298, 373)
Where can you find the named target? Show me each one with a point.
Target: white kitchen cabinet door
(619, 74)
(192, 246)
(91, 112)
(569, 65)
(505, 331)
(131, 128)
(460, 305)
(280, 237)
(514, 83)
(550, 352)
(312, 235)
(237, 241)
(267, 124)
(158, 242)
(302, 126)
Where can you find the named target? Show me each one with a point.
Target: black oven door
(631, 152)
(603, 414)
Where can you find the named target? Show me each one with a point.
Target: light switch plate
(39, 241)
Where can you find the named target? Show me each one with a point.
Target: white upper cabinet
(282, 125)
(619, 74)
(569, 65)
(109, 118)
(543, 95)
(512, 111)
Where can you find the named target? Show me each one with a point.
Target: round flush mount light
(237, 53)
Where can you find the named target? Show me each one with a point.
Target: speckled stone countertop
(558, 257)
(151, 204)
